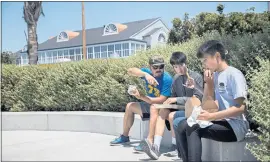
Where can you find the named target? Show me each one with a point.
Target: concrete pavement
(68, 146)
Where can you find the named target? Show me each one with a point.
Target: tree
(206, 22)
(181, 31)
(174, 35)
(221, 19)
(187, 29)
(31, 12)
(8, 57)
(220, 8)
(235, 23)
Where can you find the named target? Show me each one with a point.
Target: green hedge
(260, 103)
(102, 84)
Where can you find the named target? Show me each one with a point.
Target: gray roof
(94, 36)
(152, 32)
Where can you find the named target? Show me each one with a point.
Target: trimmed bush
(102, 84)
(260, 103)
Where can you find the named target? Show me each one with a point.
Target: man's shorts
(167, 123)
(145, 108)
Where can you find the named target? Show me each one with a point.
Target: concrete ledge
(227, 151)
(95, 122)
(214, 150)
(111, 123)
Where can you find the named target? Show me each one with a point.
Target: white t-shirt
(230, 84)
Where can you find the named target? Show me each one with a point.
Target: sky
(60, 16)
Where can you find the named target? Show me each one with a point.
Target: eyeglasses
(158, 66)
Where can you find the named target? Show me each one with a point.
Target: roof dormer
(111, 29)
(66, 36)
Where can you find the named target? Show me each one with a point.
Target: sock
(157, 140)
(173, 141)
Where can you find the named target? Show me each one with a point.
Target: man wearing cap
(158, 87)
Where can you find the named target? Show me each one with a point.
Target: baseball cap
(156, 60)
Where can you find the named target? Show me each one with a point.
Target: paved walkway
(67, 146)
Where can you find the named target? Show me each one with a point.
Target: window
(132, 48)
(71, 54)
(24, 60)
(90, 53)
(103, 51)
(60, 54)
(138, 47)
(161, 38)
(49, 58)
(41, 57)
(66, 54)
(110, 29)
(54, 56)
(118, 50)
(125, 49)
(63, 36)
(78, 52)
(110, 50)
(142, 46)
(97, 51)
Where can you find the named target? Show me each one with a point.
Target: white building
(103, 42)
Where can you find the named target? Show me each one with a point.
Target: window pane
(78, 57)
(90, 56)
(133, 46)
(118, 50)
(110, 53)
(71, 52)
(66, 52)
(78, 51)
(49, 54)
(103, 51)
(39, 54)
(60, 53)
(125, 45)
(118, 47)
(90, 50)
(72, 57)
(54, 53)
(111, 48)
(138, 46)
(97, 51)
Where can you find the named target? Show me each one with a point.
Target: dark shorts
(145, 107)
(167, 123)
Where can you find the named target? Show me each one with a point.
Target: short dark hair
(178, 58)
(210, 48)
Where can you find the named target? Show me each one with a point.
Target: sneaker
(150, 149)
(120, 140)
(138, 148)
(173, 151)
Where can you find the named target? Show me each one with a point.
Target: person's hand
(136, 94)
(205, 115)
(170, 100)
(151, 80)
(190, 83)
(208, 77)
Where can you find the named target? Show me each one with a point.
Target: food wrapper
(132, 89)
(193, 118)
